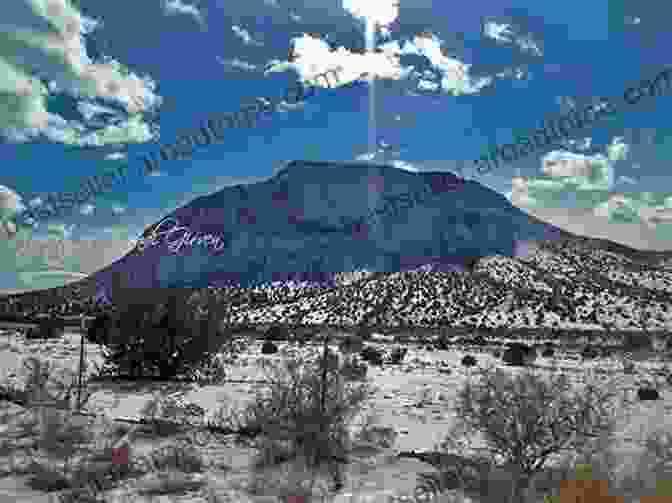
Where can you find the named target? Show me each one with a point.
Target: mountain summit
(312, 220)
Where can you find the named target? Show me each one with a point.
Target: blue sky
(90, 84)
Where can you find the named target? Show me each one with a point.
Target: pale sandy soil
(414, 398)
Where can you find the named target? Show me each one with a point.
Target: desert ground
(414, 399)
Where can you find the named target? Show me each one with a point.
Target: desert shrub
(277, 333)
(268, 348)
(64, 450)
(590, 352)
(351, 344)
(305, 412)
(517, 354)
(99, 328)
(364, 333)
(166, 413)
(636, 341)
(372, 355)
(442, 342)
(183, 457)
(479, 340)
(354, 370)
(168, 482)
(525, 419)
(46, 329)
(468, 361)
(398, 354)
(646, 393)
(161, 331)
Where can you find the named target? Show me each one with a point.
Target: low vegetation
(546, 439)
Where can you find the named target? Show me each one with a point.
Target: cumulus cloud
(244, 35)
(115, 156)
(626, 180)
(87, 209)
(585, 184)
(238, 64)
(405, 166)
(176, 7)
(313, 56)
(49, 35)
(10, 203)
(504, 33)
(382, 12)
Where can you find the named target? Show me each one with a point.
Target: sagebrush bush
(62, 446)
(303, 416)
(525, 419)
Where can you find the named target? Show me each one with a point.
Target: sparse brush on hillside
(305, 413)
(526, 419)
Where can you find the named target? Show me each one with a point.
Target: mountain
(461, 255)
(312, 220)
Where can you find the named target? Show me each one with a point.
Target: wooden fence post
(81, 368)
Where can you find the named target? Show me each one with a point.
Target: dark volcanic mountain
(313, 220)
(458, 255)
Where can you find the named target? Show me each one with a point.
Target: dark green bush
(162, 332)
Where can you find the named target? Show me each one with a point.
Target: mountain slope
(462, 257)
(315, 219)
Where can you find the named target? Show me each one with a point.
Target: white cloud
(560, 164)
(87, 209)
(455, 78)
(498, 32)
(176, 7)
(503, 33)
(10, 203)
(578, 188)
(60, 230)
(237, 63)
(49, 35)
(314, 56)
(405, 166)
(244, 35)
(382, 12)
(627, 180)
(617, 150)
